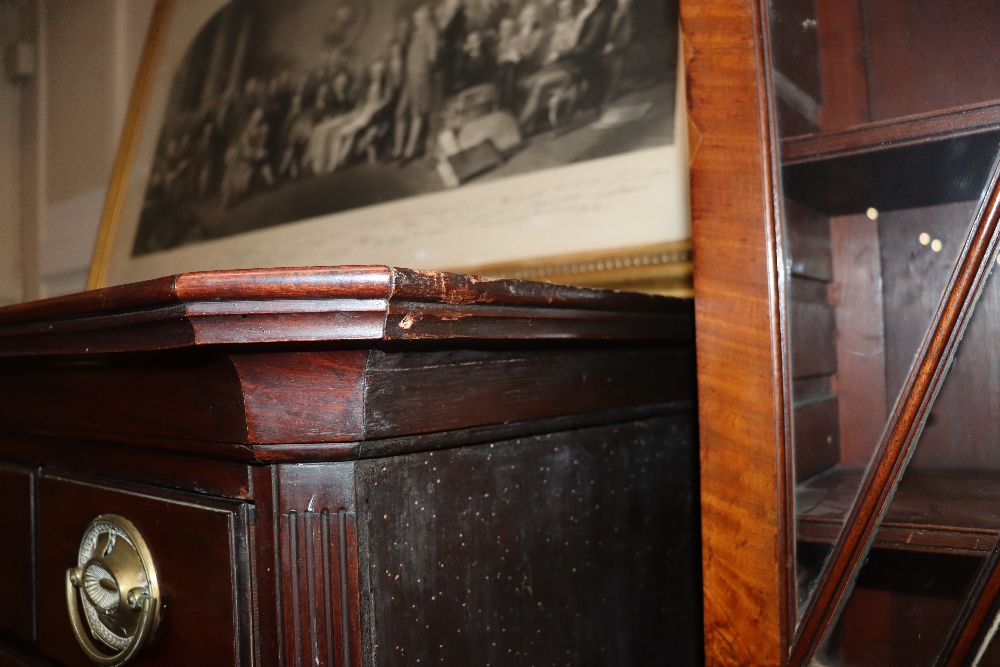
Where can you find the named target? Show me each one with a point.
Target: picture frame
(239, 152)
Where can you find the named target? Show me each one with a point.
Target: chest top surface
(330, 304)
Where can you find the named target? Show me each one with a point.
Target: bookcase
(843, 193)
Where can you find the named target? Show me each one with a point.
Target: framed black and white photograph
(427, 133)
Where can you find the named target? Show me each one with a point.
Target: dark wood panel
(328, 397)
(16, 652)
(842, 64)
(813, 336)
(264, 558)
(422, 392)
(924, 55)
(914, 277)
(193, 543)
(808, 241)
(817, 436)
(196, 397)
(17, 557)
(860, 323)
(304, 396)
(743, 419)
(901, 609)
(569, 547)
(963, 429)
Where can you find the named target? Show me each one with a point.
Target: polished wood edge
(159, 492)
(177, 327)
(142, 88)
(277, 305)
(904, 426)
(877, 136)
(358, 282)
(781, 352)
(337, 322)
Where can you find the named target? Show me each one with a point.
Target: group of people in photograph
(540, 61)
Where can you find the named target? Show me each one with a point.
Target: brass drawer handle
(115, 584)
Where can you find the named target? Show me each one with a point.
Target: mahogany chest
(348, 466)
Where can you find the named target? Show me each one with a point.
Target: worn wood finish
(400, 399)
(905, 423)
(744, 406)
(307, 305)
(463, 569)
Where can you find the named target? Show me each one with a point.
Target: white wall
(62, 149)
(11, 267)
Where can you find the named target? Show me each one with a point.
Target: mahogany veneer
(359, 466)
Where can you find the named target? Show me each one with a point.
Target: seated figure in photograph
(580, 65)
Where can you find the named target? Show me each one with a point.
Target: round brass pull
(115, 584)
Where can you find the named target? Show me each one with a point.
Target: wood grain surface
(744, 411)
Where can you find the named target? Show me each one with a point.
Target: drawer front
(16, 592)
(198, 547)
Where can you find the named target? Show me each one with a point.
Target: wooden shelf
(935, 158)
(943, 511)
